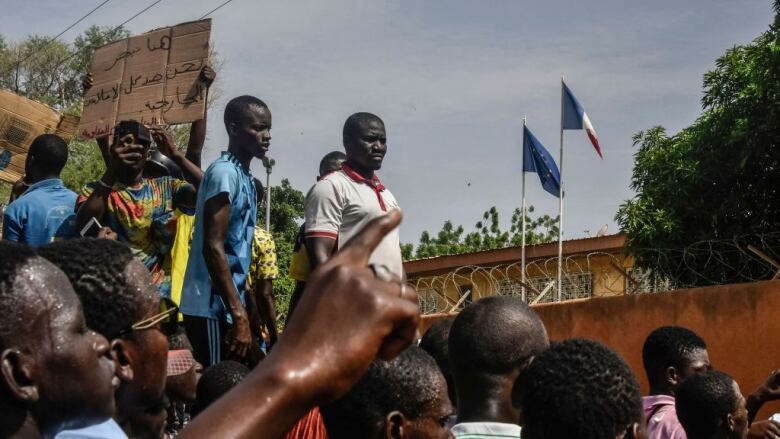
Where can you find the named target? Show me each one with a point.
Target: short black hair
(435, 342)
(179, 340)
(217, 380)
(50, 153)
(327, 161)
(578, 389)
(703, 400)
(495, 335)
(407, 384)
(13, 258)
(96, 269)
(668, 346)
(236, 109)
(357, 120)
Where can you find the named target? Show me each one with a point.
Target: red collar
(373, 182)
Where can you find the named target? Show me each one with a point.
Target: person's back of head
(216, 381)
(331, 162)
(435, 342)
(670, 354)
(405, 397)
(709, 405)
(53, 367)
(117, 295)
(580, 389)
(490, 344)
(46, 157)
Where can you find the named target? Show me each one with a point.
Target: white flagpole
(522, 251)
(560, 208)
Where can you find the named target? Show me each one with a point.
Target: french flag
(574, 117)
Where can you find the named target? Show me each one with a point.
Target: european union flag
(537, 159)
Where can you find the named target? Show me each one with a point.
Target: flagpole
(522, 251)
(560, 208)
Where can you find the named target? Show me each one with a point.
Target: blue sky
(452, 80)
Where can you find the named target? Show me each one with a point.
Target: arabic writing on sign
(149, 77)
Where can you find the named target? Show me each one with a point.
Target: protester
(435, 342)
(216, 381)
(341, 203)
(711, 406)
(330, 342)
(491, 343)
(45, 211)
(226, 210)
(299, 263)
(181, 384)
(260, 282)
(121, 303)
(48, 355)
(670, 355)
(139, 210)
(580, 389)
(402, 398)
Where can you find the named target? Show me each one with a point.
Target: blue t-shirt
(107, 429)
(225, 175)
(45, 212)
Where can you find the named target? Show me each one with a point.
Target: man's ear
(672, 377)
(394, 425)
(17, 371)
(122, 359)
(632, 432)
(729, 423)
(232, 129)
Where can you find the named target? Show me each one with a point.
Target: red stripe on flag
(595, 141)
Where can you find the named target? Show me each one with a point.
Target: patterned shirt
(143, 217)
(263, 265)
(484, 430)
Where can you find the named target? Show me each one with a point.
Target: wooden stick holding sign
(151, 78)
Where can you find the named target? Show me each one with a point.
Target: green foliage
(85, 164)
(286, 215)
(717, 178)
(488, 235)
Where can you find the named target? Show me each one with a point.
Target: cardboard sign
(151, 78)
(21, 121)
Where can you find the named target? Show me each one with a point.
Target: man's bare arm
(319, 250)
(266, 308)
(216, 213)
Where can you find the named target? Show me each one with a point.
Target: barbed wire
(746, 258)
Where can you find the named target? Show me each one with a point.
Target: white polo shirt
(339, 206)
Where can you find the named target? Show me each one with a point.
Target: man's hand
(164, 141)
(764, 430)
(207, 76)
(107, 233)
(347, 317)
(123, 152)
(240, 336)
(770, 389)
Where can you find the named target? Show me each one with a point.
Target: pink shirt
(661, 418)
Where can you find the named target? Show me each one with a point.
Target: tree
(488, 235)
(717, 178)
(286, 215)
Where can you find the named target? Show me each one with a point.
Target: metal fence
(747, 258)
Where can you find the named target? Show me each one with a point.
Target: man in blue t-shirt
(46, 210)
(213, 302)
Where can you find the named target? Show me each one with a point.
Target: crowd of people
(143, 307)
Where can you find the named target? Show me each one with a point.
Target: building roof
(443, 264)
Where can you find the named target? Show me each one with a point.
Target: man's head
(435, 342)
(51, 365)
(331, 162)
(580, 389)
(670, 355)
(46, 157)
(183, 371)
(217, 380)
(365, 141)
(710, 406)
(402, 398)
(136, 136)
(116, 292)
(490, 344)
(248, 123)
